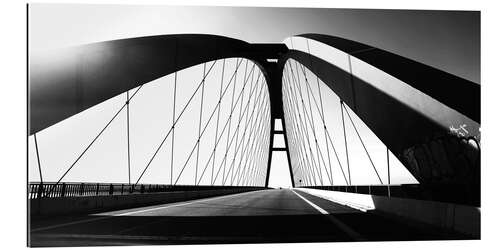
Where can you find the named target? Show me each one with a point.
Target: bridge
(171, 139)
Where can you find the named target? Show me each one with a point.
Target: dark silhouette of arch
(65, 82)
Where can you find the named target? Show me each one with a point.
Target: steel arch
(403, 128)
(65, 82)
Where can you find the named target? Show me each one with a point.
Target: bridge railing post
(39, 190)
(63, 189)
(80, 192)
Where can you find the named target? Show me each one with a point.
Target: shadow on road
(140, 230)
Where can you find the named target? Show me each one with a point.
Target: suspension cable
(236, 134)
(223, 130)
(173, 133)
(205, 127)
(38, 160)
(345, 141)
(247, 121)
(173, 125)
(313, 127)
(237, 145)
(218, 116)
(92, 142)
(298, 127)
(304, 124)
(327, 134)
(229, 143)
(199, 126)
(128, 137)
(362, 143)
(252, 136)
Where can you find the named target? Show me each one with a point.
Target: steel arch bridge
(427, 119)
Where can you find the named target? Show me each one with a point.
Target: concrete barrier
(445, 217)
(93, 204)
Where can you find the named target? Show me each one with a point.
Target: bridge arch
(424, 116)
(104, 71)
(67, 81)
(412, 108)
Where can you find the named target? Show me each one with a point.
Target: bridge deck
(260, 216)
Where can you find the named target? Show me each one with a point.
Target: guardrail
(450, 192)
(53, 190)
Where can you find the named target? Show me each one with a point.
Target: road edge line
(346, 229)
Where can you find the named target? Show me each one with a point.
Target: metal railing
(383, 190)
(66, 189)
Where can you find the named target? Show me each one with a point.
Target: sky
(446, 40)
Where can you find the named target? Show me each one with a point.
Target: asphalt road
(255, 217)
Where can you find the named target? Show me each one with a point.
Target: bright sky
(449, 40)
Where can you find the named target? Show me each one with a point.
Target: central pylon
(275, 84)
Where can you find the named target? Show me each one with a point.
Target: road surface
(275, 215)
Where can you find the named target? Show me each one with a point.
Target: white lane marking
(139, 211)
(346, 229)
(321, 210)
